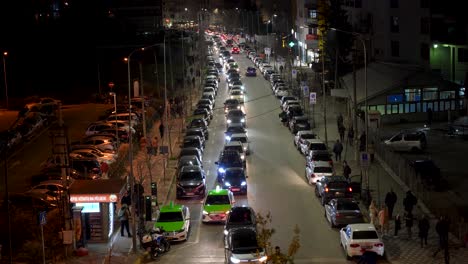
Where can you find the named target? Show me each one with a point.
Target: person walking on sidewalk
(351, 136)
(124, 216)
(373, 213)
(341, 131)
(346, 170)
(429, 116)
(390, 201)
(337, 149)
(383, 220)
(339, 120)
(409, 224)
(442, 229)
(409, 202)
(362, 142)
(423, 226)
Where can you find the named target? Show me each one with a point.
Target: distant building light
(435, 46)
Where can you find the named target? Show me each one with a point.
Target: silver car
(343, 211)
(242, 138)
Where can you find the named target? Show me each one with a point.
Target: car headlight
(235, 260)
(227, 184)
(229, 121)
(243, 183)
(263, 259)
(242, 157)
(226, 232)
(221, 170)
(242, 120)
(232, 97)
(238, 107)
(205, 212)
(242, 87)
(228, 138)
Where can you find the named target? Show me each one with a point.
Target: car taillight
(326, 189)
(350, 189)
(312, 175)
(378, 245)
(354, 245)
(338, 215)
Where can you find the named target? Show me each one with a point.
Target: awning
(383, 77)
(97, 191)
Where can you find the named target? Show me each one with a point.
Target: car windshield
(236, 93)
(302, 121)
(217, 199)
(188, 162)
(318, 146)
(242, 217)
(188, 152)
(308, 136)
(190, 176)
(234, 148)
(197, 122)
(235, 113)
(240, 139)
(244, 243)
(235, 130)
(347, 206)
(323, 170)
(170, 217)
(365, 235)
(234, 176)
(322, 157)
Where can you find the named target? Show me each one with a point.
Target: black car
(236, 116)
(191, 152)
(203, 113)
(234, 128)
(191, 182)
(208, 108)
(196, 132)
(231, 104)
(228, 159)
(55, 173)
(192, 142)
(235, 180)
(331, 187)
(240, 216)
(241, 242)
(199, 123)
(251, 71)
(86, 167)
(298, 123)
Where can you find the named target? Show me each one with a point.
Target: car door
(330, 209)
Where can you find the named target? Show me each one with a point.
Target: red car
(235, 50)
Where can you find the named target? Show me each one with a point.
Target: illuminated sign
(93, 198)
(89, 207)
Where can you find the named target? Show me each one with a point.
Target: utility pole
(143, 101)
(355, 120)
(168, 134)
(324, 103)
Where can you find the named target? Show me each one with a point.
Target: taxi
(217, 204)
(174, 220)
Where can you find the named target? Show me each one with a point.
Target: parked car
(299, 123)
(308, 146)
(333, 187)
(191, 182)
(414, 141)
(302, 135)
(191, 152)
(241, 246)
(243, 139)
(316, 171)
(240, 216)
(357, 238)
(343, 211)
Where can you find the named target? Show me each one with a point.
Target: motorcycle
(155, 243)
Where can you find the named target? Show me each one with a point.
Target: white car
(301, 135)
(311, 145)
(174, 219)
(356, 238)
(408, 141)
(243, 139)
(97, 127)
(289, 103)
(316, 170)
(124, 117)
(237, 94)
(282, 91)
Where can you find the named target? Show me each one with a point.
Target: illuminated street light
(5, 53)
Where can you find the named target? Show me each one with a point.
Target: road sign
(267, 51)
(364, 159)
(42, 218)
(294, 73)
(111, 85)
(305, 90)
(313, 98)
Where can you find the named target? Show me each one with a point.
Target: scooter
(155, 243)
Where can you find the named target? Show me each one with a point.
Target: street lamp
(5, 77)
(361, 39)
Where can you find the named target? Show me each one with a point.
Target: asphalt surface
(26, 159)
(276, 184)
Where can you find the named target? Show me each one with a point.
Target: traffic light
(291, 44)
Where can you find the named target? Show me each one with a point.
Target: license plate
(339, 194)
(235, 189)
(349, 216)
(366, 247)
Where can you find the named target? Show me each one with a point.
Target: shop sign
(93, 198)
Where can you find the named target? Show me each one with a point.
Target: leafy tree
(264, 234)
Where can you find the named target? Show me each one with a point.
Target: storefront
(94, 204)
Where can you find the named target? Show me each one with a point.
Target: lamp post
(361, 39)
(5, 77)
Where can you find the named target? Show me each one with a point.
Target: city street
(276, 184)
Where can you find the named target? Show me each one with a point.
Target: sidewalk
(401, 249)
(119, 249)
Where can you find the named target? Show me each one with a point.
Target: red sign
(311, 37)
(111, 85)
(93, 198)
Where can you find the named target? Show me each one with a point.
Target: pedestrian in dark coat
(346, 170)
(337, 149)
(429, 116)
(423, 226)
(409, 202)
(161, 130)
(390, 201)
(126, 199)
(351, 136)
(442, 228)
(362, 142)
(341, 131)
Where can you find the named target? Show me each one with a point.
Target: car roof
(238, 135)
(335, 178)
(314, 141)
(190, 168)
(236, 169)
(242, 230)
(235, 125)
(218, 191)
(362, 227)
(191, 137)
(301, 117)
(304, 132)
(171, 208)
(321, 163)
(233, 143)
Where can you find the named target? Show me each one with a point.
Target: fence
(400, 166)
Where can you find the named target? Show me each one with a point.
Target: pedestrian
(126, 199)
(362, 142)
(341, 131)
(397, 224)
(383, 220)
(339, 120)
(278, 257)
(155, 145)
(351, 136)
(409, 202)
(161, 130)
(346, 170)
(373, 213)
(337, 149)
(429, 116)
(390, 201)
(124, 216)
(423, 226)
(442, 229)
(409, 224)
(104, 169)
